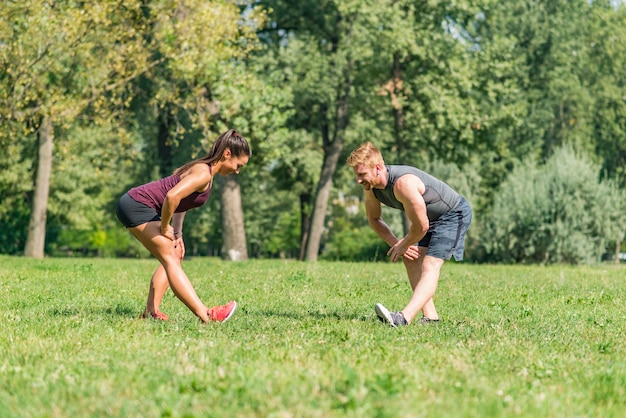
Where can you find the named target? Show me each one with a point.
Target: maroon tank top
(153, 194)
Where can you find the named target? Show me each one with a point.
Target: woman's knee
(169, 260)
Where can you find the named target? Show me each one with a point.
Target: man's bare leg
(424, 276)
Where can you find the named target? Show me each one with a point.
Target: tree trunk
(618, 245)
(233, 231)
(37, 226)
(332, 150)
(331, 157)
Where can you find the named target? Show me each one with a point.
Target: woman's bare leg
(149, 234)
(158, 287)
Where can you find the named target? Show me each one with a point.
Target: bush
(554, 213)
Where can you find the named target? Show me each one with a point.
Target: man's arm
(374, 218)
(408, 190)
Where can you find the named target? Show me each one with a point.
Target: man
(439, 219)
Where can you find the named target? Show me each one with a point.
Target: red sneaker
(222, 313)
(158, 315)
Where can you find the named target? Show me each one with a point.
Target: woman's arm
(177, 221)
(197, 179)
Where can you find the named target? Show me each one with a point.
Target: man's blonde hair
(367, 154)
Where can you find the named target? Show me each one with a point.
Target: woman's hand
(168, 231)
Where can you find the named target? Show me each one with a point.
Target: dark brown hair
(230, 139)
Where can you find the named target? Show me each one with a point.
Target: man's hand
(399, 250)
(412, 253)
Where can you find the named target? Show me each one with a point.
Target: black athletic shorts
(132, 213)
(446, 236)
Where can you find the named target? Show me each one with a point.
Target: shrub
(553, 213)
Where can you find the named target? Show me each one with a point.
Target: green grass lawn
(514, 341)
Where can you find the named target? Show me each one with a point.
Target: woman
(147, 211)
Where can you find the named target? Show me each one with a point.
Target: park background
(520, 105)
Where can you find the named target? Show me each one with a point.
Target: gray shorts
(132, 213)
(446, 236)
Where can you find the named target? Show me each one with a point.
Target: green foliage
(358, 244)
(463, 89)
(605, 72)
(272, 223)
(416, 82)
(91, 162)
(198, 78)
(15, 167)
(13, 225)
(113, 242)
(543, 71)
(283, 239)
(514, 341)
(350, 238)
(559, 212)
(64, 62)
(59, 59)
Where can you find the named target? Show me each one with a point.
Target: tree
(58, 60)
(196, 91)
(81, 63)
(423, 73)
(296, 171)
(538, 72)
(422, 77)
(331, 66)
(604, 71)
(321, 49)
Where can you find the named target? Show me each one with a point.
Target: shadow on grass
(130, 312)
(336, 315)
(119, 310)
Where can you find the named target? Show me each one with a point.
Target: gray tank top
(439, 197)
